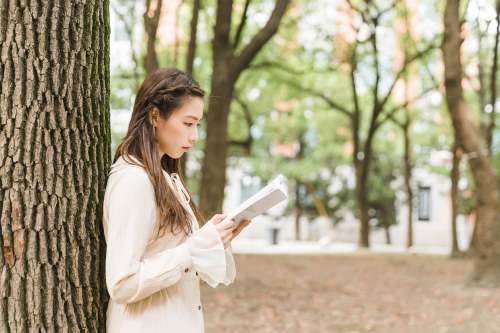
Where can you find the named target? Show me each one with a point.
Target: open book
(269, 196)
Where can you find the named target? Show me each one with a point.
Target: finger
(228, 225)
(239, 228)
(242, 225)
(218, 218)
(227, 239)
(226, 234)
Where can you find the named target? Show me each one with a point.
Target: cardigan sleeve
(225, 273)
(130, 276)
(230, 267)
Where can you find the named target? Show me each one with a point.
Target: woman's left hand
(240, 227)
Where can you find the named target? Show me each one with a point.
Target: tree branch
(407, 62)
(128, 26)
(242, 61)
(246, 111)
(241, 26)
(330, 102)
(389, 114)
(288, 69)
(247, 143)
(354, 65)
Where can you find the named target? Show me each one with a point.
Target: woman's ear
(155, 114)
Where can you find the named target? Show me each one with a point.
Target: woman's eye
(188, 124)
(198, 125)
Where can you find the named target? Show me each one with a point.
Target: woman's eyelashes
(192, 124)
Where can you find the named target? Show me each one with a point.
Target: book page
(269, 196)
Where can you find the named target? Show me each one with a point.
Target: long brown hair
(165, 90)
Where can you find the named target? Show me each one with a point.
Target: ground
(383, 293)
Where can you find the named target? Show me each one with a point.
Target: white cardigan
(155, 284)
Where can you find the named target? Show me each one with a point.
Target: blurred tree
(376, 109)
(382, 197)
(123, 10)
(54, 160)
(487, 261)
(482, 102)
(151, 20)
(227, 67)
(190, 56)
(380, 112)
(191, 53)
(455, 178)
(487, 81)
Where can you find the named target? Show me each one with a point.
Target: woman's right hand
(225, 228)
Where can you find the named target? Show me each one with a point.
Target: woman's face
(179, 132)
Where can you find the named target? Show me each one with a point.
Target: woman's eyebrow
(193, 117)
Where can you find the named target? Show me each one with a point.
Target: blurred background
(347, 99)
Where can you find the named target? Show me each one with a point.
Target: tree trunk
(214, 162)
(227, 67)
(408, 180)
(177, 41)
(471, 251)
(191, 54)
(190, 57)
(151, 20)
(455, 176)
(363, 204)
(318, 204)
(362, 167)
(298, 210)
(487, 260)
(54, 158)
(387, 230)
(493, 83)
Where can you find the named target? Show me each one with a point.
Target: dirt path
(351, 293)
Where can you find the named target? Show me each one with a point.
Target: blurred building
(431, 224)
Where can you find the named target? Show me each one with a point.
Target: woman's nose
(194, 136)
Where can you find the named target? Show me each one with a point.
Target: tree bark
(455, 177)
(487, 260)
(227, 67)
(54, 158)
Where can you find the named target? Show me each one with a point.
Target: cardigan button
(186, 270)
(199, 307)
(196, 273)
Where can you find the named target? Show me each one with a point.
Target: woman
(156, 250)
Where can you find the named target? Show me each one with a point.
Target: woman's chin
(174, 156)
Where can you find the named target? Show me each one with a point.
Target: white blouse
(154, 285)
